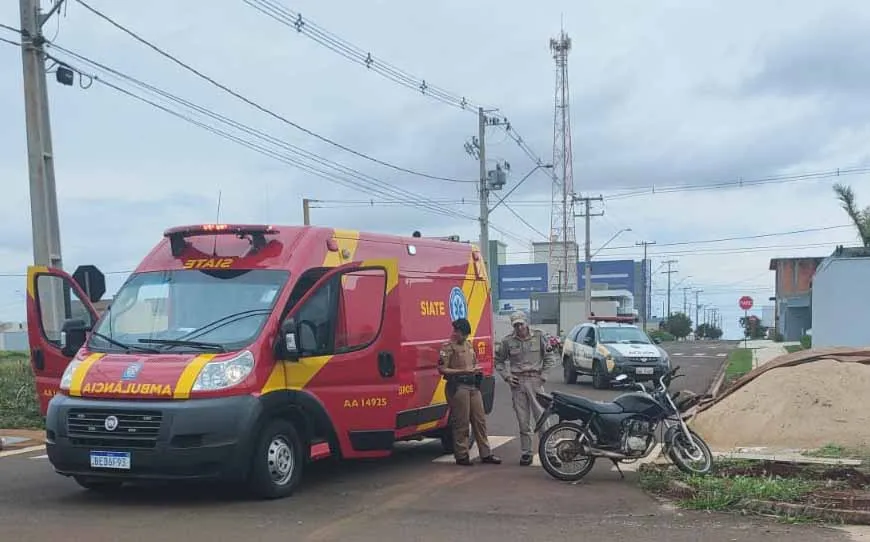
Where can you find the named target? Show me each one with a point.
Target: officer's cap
(462, 325)
(519, 317)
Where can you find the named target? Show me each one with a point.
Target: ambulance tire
(97, 484)
(277, 462)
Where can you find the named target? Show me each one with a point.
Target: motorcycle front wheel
(697, 459)
(559, 451)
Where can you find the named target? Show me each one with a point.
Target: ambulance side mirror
(73, 335)
(287, 348)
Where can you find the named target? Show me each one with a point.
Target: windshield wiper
(178, 342)
(224, 320)
(128, 347)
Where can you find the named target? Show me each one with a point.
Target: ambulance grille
(133, 429)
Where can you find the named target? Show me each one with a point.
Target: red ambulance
(242, 352)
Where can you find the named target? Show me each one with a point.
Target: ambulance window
(52, 286)
(360, 309)
(313, 318)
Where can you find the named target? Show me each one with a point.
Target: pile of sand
(802, 406)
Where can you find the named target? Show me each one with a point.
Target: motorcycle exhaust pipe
(604, 453)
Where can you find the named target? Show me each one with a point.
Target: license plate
(110, 460)
(644, 370)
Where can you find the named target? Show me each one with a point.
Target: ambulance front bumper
(165, 440)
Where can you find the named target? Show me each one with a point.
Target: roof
(774, 261)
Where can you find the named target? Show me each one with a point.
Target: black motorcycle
(622, 431)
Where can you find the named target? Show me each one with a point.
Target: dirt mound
(804, 401)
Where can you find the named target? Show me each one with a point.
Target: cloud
(662, 94)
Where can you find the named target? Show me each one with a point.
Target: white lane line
(678, 353)
(474, 453)
(43, 456)
(721, 355)
(20, 451)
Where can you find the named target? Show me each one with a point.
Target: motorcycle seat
(582, 403)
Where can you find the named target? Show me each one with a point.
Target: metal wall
(520, 281)
(616, 274)
(841, 303)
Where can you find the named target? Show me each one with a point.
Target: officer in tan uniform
(458, 364)
(523, 359)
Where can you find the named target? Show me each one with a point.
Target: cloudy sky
(680, 96)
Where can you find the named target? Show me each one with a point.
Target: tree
(708, 331)
(679, 325)
(752, 327)
(861, 218)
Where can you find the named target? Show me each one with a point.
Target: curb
(716, 385)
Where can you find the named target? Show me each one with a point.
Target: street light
(587, 272)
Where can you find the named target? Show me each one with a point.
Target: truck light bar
(621, 319)
(257, 233)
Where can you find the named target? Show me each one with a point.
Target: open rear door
(52, 298)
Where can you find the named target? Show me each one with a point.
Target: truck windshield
(183, 310)
(623, 335)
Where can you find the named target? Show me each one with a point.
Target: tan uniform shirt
(532, 354)
(458, 356)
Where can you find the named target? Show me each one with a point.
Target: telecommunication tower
(563, 257)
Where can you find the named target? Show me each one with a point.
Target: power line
(11, 28)
(350, 177)
(261, 108)
(349, 51)
(524, 221)
(10, 42)
(306, 27)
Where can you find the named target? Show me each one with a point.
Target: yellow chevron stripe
(188, 376)
(75, 387)
(32, 271)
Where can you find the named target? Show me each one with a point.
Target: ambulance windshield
(183, 310)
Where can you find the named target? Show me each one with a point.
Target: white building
(841, 299)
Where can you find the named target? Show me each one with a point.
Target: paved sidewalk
(765, 350)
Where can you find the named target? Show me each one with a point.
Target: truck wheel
(600, 380)
(569, 373)
(97, 484)
(277, 462)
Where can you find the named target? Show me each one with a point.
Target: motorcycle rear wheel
(550, 459)
(680, 452)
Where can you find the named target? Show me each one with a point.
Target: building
(620, 281)
(541, 254)
(841, 299)
(495, 258)
(792, 309)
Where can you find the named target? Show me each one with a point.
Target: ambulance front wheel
(277, 462)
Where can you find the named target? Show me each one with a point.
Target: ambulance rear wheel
(277, 462)
(96, 484)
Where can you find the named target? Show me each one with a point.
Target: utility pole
(587, 267)
(483, 190)
(645, 267)
(697, 307)
(43, 194)
(669, 272)
(306, 211)
(685, 302)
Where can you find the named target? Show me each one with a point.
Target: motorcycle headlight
(66, 379)
(225, 373)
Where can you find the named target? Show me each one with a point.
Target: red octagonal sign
(746, 302)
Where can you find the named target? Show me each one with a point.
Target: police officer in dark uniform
(458, 364)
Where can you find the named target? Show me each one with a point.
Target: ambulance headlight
(217, 375)
(66, 379)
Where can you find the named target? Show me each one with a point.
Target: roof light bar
(257, 233)
(621, 319)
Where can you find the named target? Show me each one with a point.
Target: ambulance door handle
(386, 364)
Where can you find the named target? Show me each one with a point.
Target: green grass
(835, 451)
(739, 363)
(19, 407)
(715, 493)
(792, 348)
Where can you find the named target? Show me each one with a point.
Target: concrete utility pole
(483, 190)
(306, 211)
(587, 266)
(669, 272)
(697, 307)
(645, 266)
(43, 194)
(685, 301)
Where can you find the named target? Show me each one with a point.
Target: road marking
(43, 456)
(678, 353)
(20, 451)
(474, 453)
(721, 355)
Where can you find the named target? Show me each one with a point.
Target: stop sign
(746, 302)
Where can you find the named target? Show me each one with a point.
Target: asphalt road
(412, 496)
